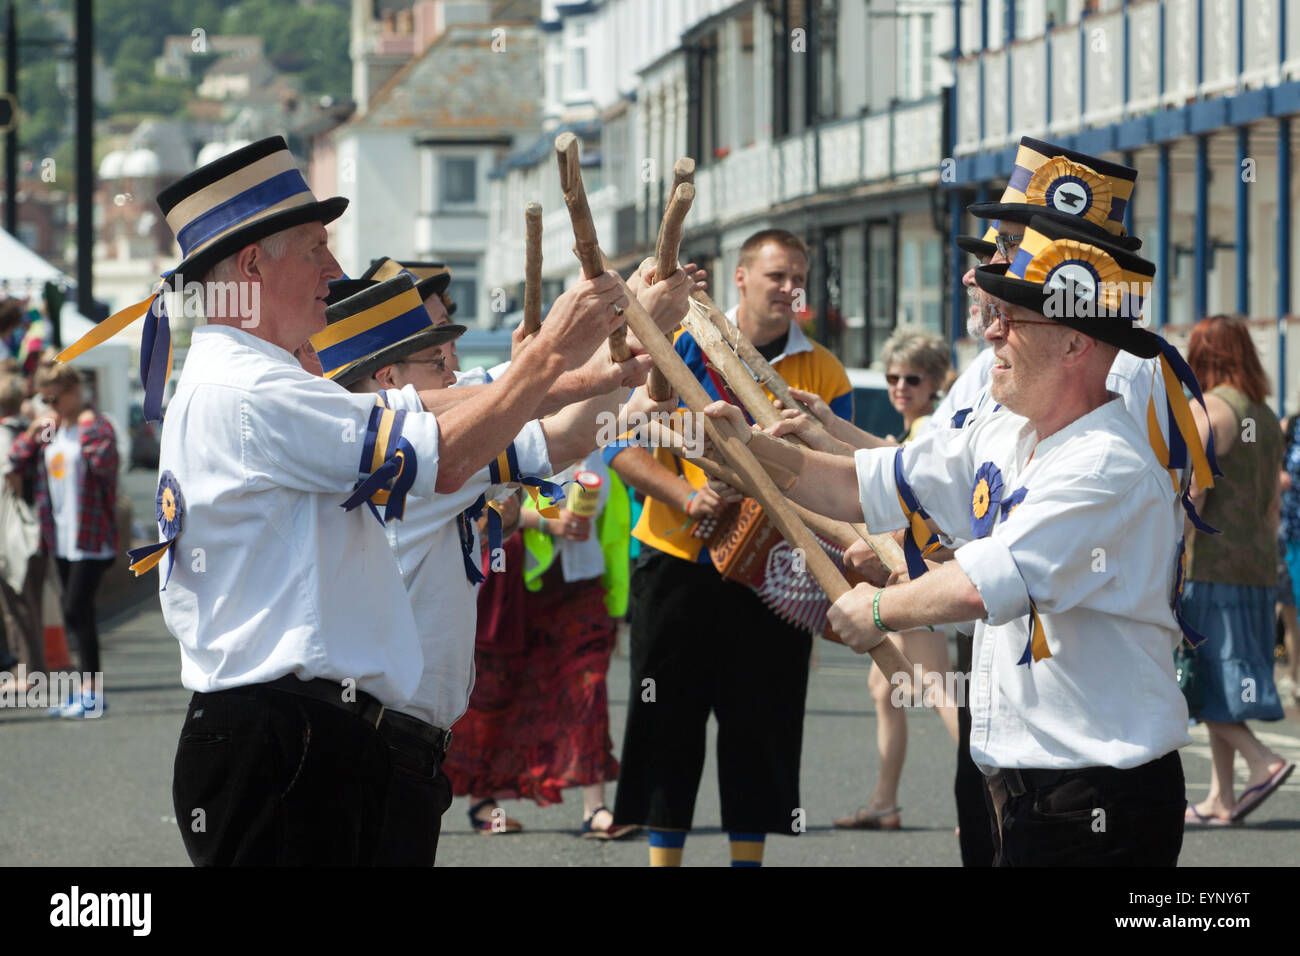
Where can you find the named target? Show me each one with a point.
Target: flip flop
(864, 819)
(1257, 794)
(486, 826)
(1197, 819)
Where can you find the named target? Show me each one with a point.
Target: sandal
(1194, 818)
(864, 819)
(491, 825)
(1254, 796)
(615, 831)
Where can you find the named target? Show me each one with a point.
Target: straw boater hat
(430, 278)
(378, 326)
(215, 211)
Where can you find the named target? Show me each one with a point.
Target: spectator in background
(21, 610)
(1232, 577)
(72, 453)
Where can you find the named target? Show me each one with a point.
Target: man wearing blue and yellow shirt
(703, 644)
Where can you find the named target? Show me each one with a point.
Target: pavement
(98, 792)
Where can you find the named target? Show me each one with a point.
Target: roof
(536, 151)
(460, 84)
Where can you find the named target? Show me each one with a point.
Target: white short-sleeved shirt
(1093, 546)
(427, 546)
(271, 575)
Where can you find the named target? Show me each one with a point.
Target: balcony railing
(873, 148)
(1122, 64)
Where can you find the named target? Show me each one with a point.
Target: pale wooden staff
(760, 408)
(840, 533)
(584, 230)
(670, 240)
(532, 268)
(731, 440)
(762, 370)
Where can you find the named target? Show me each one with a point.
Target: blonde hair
(924, 351)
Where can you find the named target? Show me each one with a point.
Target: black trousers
(80, 581)
(968, 785)
(419, 793)
(701, 644)
(1098, 816)
(268, 778)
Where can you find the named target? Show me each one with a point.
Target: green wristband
(875, 612)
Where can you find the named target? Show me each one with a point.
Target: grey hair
(924, 351)
(273, 246)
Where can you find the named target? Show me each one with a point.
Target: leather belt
(395, 723)
(365, 707)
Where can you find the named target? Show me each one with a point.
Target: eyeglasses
(1008, 244)
(912, 380)
(438, 363)
(996, 315)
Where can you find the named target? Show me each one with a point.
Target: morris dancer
(1075, 553)
(295, 631)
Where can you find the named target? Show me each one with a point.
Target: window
(459, 178)
(464, 292)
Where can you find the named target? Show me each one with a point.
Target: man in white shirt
(436, 553)
(294, 628)
(1069, 570)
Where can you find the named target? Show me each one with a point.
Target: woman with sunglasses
(916, 364)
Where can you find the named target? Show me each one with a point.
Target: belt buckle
(446, 741)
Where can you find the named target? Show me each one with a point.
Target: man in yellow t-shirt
(702, 644)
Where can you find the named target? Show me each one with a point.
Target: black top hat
(1084, 191)
(238, 199)
(382, 324)
(983, 248)
(1068, 275)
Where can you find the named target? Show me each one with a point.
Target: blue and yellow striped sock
(746, 848)
(666, 847)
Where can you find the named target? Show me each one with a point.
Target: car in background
(872, 410)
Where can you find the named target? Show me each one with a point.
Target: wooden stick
(670, 240)
(730, 440)
(840, 533)
(761, 409)
(762, 370)
(532, 268)
(584, 230)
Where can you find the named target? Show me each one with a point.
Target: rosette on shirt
(170, 508)
(986, 499)
(215, 211)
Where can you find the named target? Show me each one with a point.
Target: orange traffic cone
(57, 657)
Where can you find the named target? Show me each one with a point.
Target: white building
(415, 157)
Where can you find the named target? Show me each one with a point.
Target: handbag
(20, 536)
(1187, 668)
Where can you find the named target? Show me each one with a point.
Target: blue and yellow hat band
(360, 335)
(1066, 185)
(262, 188)
(1054, 262)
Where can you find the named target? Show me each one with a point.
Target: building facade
(1200, 96)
